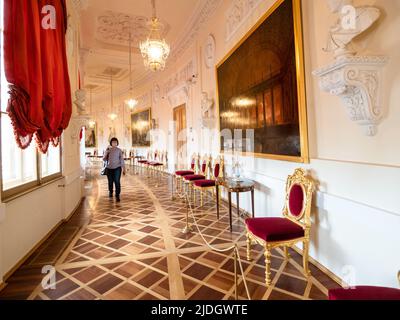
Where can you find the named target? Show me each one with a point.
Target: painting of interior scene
(257, 88)
(141, 125)
(90, 137)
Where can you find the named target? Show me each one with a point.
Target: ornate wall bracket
(357, 80)
(75, 126)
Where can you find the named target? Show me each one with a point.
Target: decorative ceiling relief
(114, 28)
(237, 14)
(356, 79)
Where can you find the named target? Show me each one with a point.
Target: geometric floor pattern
(136, 250)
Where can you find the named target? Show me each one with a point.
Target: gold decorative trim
(2, 286)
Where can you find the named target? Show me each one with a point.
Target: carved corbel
(357, 80)
(75, 126)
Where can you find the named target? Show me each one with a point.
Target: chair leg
(287, 254)
(249, 243)
(268, 266)
(306, 246)
(201, 198)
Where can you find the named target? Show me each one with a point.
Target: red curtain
(36, 67)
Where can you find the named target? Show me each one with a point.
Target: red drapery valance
(36, 67)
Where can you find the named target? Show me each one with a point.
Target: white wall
(356, 213)
(25, 221)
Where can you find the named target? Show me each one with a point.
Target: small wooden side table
(233, 186)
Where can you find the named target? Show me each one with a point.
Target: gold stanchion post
(188, 228)
(236, 274)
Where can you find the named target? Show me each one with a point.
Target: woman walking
(115, 167)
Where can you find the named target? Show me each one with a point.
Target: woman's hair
(114, 139)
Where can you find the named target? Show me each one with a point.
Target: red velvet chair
(201, 175)
(292, 228)
(365, 293)
(157, 162)
(144, 162)
(210, 184)
(178, 176)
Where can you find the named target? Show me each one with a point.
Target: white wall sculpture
(356, 79)
(80, 101)
(209, 52)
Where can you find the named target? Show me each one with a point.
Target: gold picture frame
(303, 157)
(141, 125)
(91, 136)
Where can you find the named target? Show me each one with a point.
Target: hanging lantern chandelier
(155, 51)
(112, 116)
(131, 101)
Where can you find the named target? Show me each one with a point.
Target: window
(21, 170)
(51, 162)
(18, 167)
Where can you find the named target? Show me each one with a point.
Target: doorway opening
(180, 136)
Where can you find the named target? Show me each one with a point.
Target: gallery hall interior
(200, 150)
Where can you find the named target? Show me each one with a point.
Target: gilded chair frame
(303, 219)
(195, 158)
(219, 160)
(398, 277)
(158, 158)
(205, 160)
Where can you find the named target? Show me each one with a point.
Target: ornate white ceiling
(115, 28)
(105, 27)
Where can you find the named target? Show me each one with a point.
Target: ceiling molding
(202, 13)
(201, 16)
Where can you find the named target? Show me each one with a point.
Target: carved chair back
(299, 192)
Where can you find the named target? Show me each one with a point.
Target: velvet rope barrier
(236, 254)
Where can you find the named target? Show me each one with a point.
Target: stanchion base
(188, 229)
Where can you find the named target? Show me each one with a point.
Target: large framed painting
(261, 88)
(141, 126)
(91, 136)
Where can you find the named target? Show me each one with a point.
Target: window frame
(40, 182)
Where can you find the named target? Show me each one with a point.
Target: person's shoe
(118, 199)
(110, 195)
